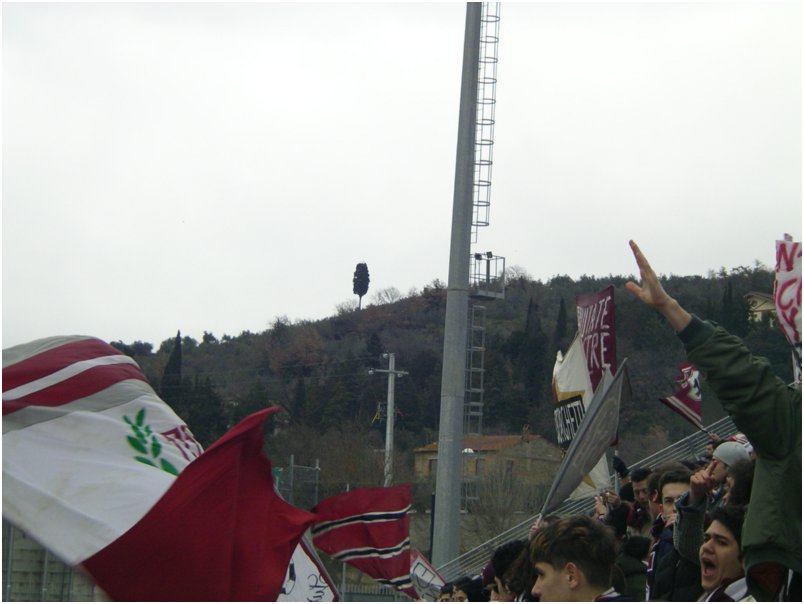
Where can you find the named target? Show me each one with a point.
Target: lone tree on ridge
(360, 282)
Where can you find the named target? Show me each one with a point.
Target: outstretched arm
(652, 293)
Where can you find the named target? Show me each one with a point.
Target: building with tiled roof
(523, 456)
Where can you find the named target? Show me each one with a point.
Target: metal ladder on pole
(475, 373)
(482, 264)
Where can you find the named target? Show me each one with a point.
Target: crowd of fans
(670, 533)
(723, 527)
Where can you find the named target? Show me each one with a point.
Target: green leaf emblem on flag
(145, 442)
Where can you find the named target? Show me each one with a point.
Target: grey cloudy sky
(214, 166)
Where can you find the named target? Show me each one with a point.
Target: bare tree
(502, 500)
(387, 296)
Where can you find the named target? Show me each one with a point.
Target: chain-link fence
(298, 484)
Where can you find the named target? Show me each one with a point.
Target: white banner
(572, 389)
(425, 578)
(787, 288)
(306, 579)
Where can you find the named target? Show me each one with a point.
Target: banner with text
(572, 392)
(597, 329)
(596, 431)
(787, 288)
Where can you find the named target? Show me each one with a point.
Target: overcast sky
(210, 167)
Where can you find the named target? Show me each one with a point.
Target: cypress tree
(360, 282)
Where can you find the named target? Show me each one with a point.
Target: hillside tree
(360, 282)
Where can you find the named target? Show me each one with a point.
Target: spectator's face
(459, 595)
(719, 556)
(551, 584)
(718, 470)
(641, 492)
(670, 493)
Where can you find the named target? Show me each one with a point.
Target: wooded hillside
(318, 370)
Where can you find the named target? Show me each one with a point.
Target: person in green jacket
(768, 412)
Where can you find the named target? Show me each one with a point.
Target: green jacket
(768, 412)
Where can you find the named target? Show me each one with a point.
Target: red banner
(596, 326)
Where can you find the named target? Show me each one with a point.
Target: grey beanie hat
(731, 452)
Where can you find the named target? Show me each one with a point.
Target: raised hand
(701, 484)
(652, 293)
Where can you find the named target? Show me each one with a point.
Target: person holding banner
(768, 411)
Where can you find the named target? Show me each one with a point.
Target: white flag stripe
(117, 394)
(368, 518)
(373, 552)
(65, 374)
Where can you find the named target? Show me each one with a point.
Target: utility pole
(392, 372)
(446, 531)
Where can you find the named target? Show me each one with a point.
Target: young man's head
(726, 454)
(739, 481)
(501, 561)
(654, 486)
(573, 560)
(639, 479)
(720, 557)
(672, 485)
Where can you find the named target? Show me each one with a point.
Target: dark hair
(681, 475)
(473, 588)
(521, 575)
(620, 467)
(636, 546)
(742, 474)
(639, 474)
(658, 472)
(588, 544)
(730, 516)
(505, 555)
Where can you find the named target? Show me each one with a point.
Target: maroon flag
(220, 532)
(369, 529)
(687, 400)
(596, 326)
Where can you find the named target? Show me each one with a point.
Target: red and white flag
(86, 443)
(90, 463)
(105, 475)
(369, 529)
(687, 399)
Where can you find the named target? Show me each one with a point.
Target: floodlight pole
(446, 522)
